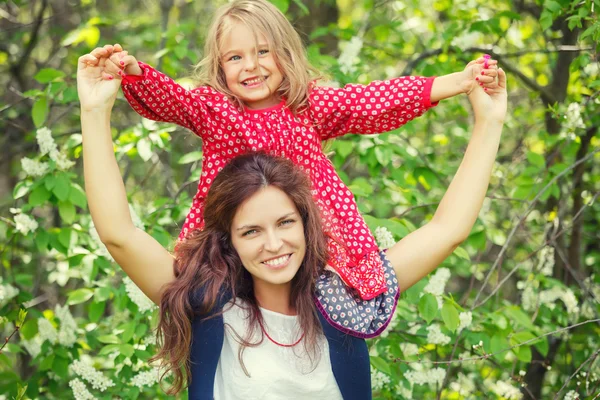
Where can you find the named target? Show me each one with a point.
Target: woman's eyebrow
(254, 226)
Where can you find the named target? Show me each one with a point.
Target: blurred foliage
(528, 268)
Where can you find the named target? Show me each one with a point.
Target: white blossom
(67, 333)
(33, 167)
(45, 140)
(80, 391)
(33, 346)
(137, 296)
(466, 318)
(25, 224)
(529, 298)
(146, 378)
(505, 389)
(90, 374)
(568, 297)
(7, 292)
(409, 349)
(150, 339)
(62, 161)
(404, 393)
(546, 261)
(378, 380)
(435, 335)
(572, 395)
(437, 284)
(432, 377)
(464, 385)
(47, 331)
(349, 56)
(573, 119)
(384, 237)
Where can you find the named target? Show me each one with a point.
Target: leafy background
(512, 314)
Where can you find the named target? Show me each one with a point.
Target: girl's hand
(481, 72)
(97, 82)
(490, 103)
(126, 64)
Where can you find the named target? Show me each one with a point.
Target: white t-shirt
(276, 372)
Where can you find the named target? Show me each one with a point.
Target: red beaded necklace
(276, 342)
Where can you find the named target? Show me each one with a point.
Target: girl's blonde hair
(261, 17)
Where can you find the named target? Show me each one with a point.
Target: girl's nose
(250, 64)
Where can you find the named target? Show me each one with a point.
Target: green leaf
(461, 253)
(29, 329)
(450, 316)
(497, 344)
(190, 157)
(21, 189)
(48, 75)
(77, 196)
(39, 196)
(128, 331)
(39, 112)
(523, 353)
(79, 296)
(47, 362)
(282, 5)
(428, 307)
(109, 348)
(102, 294)
(380, 364)
(67, 212)
(64, 237)
(141, 330)
(96, 310)
(42, 239)
(60, 367)
(542, 346)
(515, 314)
(126, 349)
(62, 187)
(537, 160)
(109, 339)
(344, 147)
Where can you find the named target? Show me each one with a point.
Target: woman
(241, 321)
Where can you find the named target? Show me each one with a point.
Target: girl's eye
(263, 52)
(234, 58)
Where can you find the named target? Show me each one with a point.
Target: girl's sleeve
(379, 107)
(155, 96)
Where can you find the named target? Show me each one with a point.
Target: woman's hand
(480, 72)
(97, 82)
(122, 61)
(490, 103)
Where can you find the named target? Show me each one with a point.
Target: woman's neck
(274, 298)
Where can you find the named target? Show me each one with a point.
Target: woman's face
(268, 234)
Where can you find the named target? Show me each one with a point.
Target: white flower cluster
(67, 333)
(349, 55)
(409, 349)
(465, 318)
(404, 393)
(573, 119)
(549, 297)
(24, 223)
(435, 335)
(546, 261)
(33, 346)
(34, 168)
(90, 374)
(572, 395)
(47, 146)
(432, 377)
(146, 378)
(150, 339)
(505, 389)
(137, 296)
(47, 331)
(464, 385)
(437, 284)
(80, 391)
(379, 380)
(384, 237)
(7, 292)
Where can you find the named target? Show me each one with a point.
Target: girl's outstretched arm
(146, 262)
(420, 252)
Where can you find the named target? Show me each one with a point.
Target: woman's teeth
(277, 261)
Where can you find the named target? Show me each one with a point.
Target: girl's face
(251, 73)
(268, 234)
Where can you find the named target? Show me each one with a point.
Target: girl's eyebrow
(260, 46)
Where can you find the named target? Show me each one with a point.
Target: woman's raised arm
(420, 252)
(148, 264)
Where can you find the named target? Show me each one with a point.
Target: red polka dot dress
(228, 131)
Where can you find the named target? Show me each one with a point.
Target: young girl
(236, 299)
(257, 92)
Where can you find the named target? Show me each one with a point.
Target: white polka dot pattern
(345, 310)
(228, 131)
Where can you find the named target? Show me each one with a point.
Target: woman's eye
(249, 232)
(287, 222)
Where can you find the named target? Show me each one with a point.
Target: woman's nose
(273, 242)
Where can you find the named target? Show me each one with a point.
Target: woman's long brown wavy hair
(208, 260)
